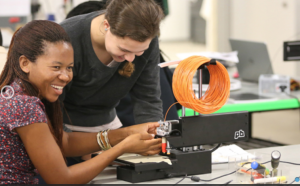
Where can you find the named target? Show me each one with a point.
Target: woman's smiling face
(52, 71)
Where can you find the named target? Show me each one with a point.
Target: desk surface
(288, 153)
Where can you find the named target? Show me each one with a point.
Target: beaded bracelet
(103, 144)
(105, 134)
(98, 140)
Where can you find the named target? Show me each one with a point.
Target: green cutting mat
(253, 107)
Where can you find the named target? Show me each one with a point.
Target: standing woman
(115, 52)
(38, 67)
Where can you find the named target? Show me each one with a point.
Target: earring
(105, 29)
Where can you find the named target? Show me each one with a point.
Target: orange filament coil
(215, 96)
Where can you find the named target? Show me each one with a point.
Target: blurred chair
(86, 7)
(3, 54)
(1, 42)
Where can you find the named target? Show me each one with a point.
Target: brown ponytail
(127, 69)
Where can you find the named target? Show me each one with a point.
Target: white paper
(168, 63)
(229, 56)
(10, 8)
(222, 154)
(136, 158)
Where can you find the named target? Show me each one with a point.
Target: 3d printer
(184, 140)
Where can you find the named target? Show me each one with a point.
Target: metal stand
(199, 93)
(200, 82)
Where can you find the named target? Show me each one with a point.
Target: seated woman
(39, 65)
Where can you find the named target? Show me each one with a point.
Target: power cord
(297, 179)
(290, 163)
(292, 182)
(228, 182)
(219, 177)
(215, 148)
(197, 179)
(181, 179)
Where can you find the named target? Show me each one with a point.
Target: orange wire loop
(215, 96)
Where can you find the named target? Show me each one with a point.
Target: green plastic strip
(253, 107)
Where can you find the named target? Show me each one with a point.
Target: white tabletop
(288, 153)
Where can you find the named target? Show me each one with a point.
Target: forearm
(116, 136)
(40, 146)
(80, 143)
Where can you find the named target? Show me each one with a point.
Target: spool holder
(211, 62)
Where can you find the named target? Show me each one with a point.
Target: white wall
(77, 2)
(177, 25)
(57, 8)
(269, 21)
(51, 7)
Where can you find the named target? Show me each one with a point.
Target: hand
(141, 144)
(151, 152)
(116, 136)
(145, 128)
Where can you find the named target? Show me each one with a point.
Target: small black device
(291, 51)
(275, 157)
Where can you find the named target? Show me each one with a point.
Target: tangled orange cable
(215, 96)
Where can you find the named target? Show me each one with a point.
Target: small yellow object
(281, 178)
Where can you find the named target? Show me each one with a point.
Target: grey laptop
(254, 59)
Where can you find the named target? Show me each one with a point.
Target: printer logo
(239, 134)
